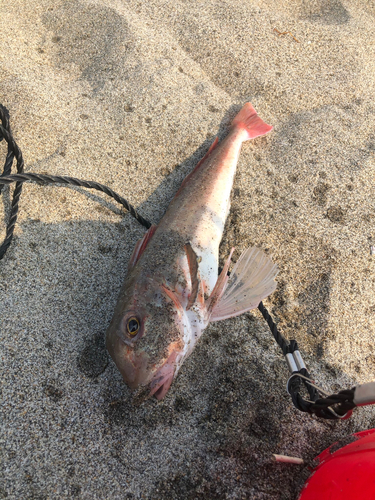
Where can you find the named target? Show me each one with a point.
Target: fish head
(146, 338)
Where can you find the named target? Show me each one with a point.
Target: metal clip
(310, 382)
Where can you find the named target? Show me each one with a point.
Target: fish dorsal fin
(141, 246)
(252, 280)
(211, 148)
(193, 267)
(188, 177)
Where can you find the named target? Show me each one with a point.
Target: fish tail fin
(249, 121)
(251, 281)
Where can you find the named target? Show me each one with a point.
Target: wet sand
(131, 95)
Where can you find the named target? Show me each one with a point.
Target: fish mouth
(160, 382)
(136, 376)
(144, 380)
(163, 378)
(160, 386)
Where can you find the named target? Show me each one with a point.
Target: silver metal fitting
(299, 361)
(291, 362)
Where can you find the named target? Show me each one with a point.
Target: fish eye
(132, 326)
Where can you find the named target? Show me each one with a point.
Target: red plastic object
(344, 472)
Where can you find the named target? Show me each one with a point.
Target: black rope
(275, 332)
(321, 407)
(295, 383)
(72, 181)
(13, 152)
(10, 155)
(21, 177)
(342, 402)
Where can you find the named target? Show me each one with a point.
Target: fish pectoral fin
(194, 274)
(141, 246)
(252, 280)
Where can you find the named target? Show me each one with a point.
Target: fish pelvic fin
(193, 267)
(251, 281)
(219, 288)
(249, 121)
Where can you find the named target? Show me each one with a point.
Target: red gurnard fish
(172, 289)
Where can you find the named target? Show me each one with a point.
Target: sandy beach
(131, 94)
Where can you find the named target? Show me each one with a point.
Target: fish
(173, 290)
